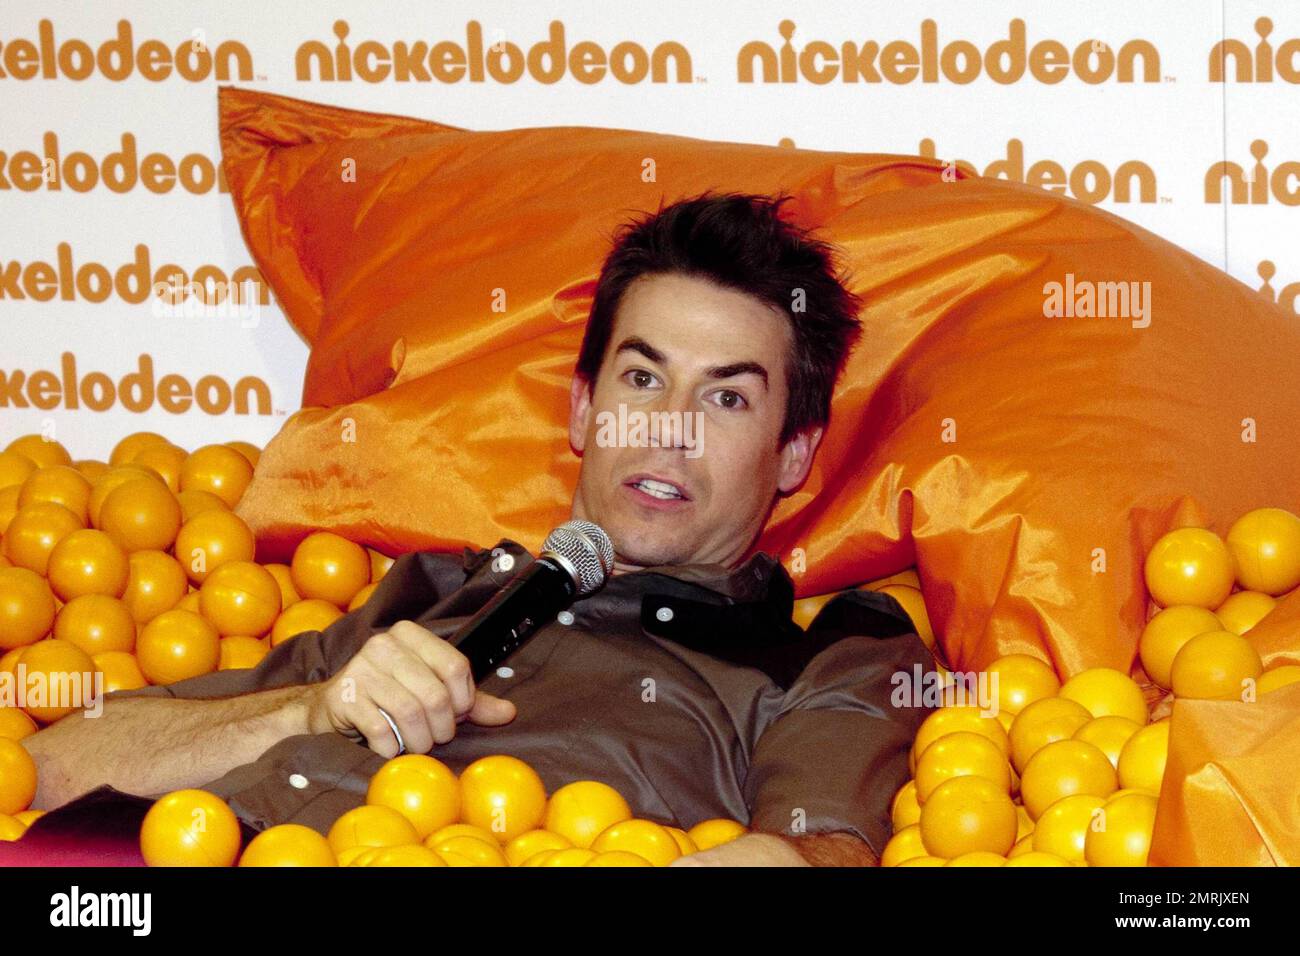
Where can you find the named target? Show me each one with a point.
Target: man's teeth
(658, 489)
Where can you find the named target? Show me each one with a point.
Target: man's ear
(797, 457)
(579, 412)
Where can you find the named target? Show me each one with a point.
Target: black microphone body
(533, 597)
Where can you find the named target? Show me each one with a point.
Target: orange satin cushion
(445, 289)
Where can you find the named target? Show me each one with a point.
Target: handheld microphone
(575, 560)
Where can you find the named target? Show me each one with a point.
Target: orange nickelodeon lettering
(496, 58)
(118, 58)
(118, 172)
(134, 282)
(136, 391)
(957, 61)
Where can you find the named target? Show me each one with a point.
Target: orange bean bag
(1023, 451)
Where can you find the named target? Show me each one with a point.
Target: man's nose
(669, 417)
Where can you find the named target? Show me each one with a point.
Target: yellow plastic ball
(1189, 566)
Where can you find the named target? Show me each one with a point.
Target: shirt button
(565, 617)
(298, 781)
(664, 614)
(505, 672)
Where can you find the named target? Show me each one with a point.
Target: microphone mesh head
(587, 548)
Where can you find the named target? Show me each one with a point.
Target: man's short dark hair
(739, 242)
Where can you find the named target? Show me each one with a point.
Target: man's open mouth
(662, 490)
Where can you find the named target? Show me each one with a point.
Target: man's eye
(639, 378)
(729, 399)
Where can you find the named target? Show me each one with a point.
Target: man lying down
(683, 683)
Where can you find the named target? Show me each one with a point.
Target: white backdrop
(64, 92)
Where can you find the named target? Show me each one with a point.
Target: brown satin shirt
(688, 689)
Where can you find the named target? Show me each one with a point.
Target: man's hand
(419, 679)
(752, 849)
(766, 849)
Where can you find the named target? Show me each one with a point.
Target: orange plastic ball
(533, 842)
(710, 833)
(26, 608)
(1215, 666)
(218, 470)
(1063, 826)
(96, 623)
(209, 540)
(196, 502)
(91, 470)
(61, 484)
(1243, 610)
(15, 724)
(43, 453)
(370, 826)
(504, 796)
(947, 720)
(1265, 546)
(33, 533)
(127, 448)
(645, 838)
(110, 481)
(1189, 566)
(240, 652)
(65, 671)
(9, 660)
(87, 562)
(240, 597)
(121, 671)
(1278, 677)
(330, 567)
(8, 508)
(177, 645)
(379, 565)
(1124, 838)
(14, 468)
(250, 451)
(1021, 680)
(1044, 722)
(1106, 692)
(1062, 769)
(361, 597)
(155, 583)
(141, 515)
(960, 754)
(17, 777)
(420, 788)
(309, 615)
(582, 810)
(1167, 632)
(166, 460)
(967, 815)
(190, 828)
(1142, 761)
(284, 577)
(289, 844)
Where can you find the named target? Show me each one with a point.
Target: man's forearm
(148, 745)
(833, 849)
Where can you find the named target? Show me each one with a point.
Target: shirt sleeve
(835, 752)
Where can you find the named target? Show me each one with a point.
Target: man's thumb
(491, 711)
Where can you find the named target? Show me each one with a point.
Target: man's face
(717, 357)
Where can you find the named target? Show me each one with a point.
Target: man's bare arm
(149, 745)
(833, 849)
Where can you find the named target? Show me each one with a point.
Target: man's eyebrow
(738, 368)
(634, 343)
